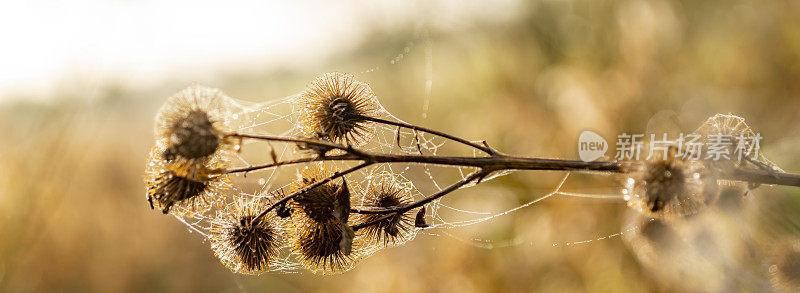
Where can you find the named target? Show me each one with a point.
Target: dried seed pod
(670, 187)
(182, 188)
(386, 190)
(735, 131)
(321, 238)
(333, 107)
(192, 124)
(244, 243)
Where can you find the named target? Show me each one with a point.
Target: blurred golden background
(527, 77)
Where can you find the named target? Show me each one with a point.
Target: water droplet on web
(262, 181)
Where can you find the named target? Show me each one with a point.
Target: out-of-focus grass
(72, 203)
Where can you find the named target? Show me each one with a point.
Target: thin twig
(313, 142)
(485, 165)
(485, 149)
(373, 222)
(763, 177)
(312, 186)
(407, 207)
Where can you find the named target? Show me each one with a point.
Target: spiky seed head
(333, 106)
(193, 137)
(243, 242)
(386, 190)
(735, 128)
(192, 124)
(180, 187)
(321, 238)
(724, 124)
(320, 204)
(326, 247)
(670, 187)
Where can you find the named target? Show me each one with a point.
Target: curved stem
(485, 149)
(370, 223)
(763, 177)
(342, 157)
(407, 207)
(313, 142)
(311, 186)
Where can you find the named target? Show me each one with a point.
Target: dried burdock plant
(321, 237)
(385, 190)
(334, 107)
(181, 187)
(244, 243)
(335, 117)
(670, 187)
(191, 125)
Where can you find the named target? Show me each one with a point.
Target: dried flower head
(670, 187)
(182, 188)
(322, 239)
(733, 130)
(191, 124)
(784, 267)
(333, 108)
(724, 124)
(244, 243)
(385, 190)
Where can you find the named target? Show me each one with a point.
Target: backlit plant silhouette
(332, 216)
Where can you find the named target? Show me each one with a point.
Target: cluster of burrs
(325, 222)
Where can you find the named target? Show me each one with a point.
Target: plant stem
(499, 162)
(485, 149)
(407, 207)
(486, 165)
(311, 186)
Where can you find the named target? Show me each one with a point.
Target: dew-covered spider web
(279, 117)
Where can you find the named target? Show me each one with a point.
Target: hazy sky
(46, 43)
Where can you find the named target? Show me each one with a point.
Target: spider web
(279, 117)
